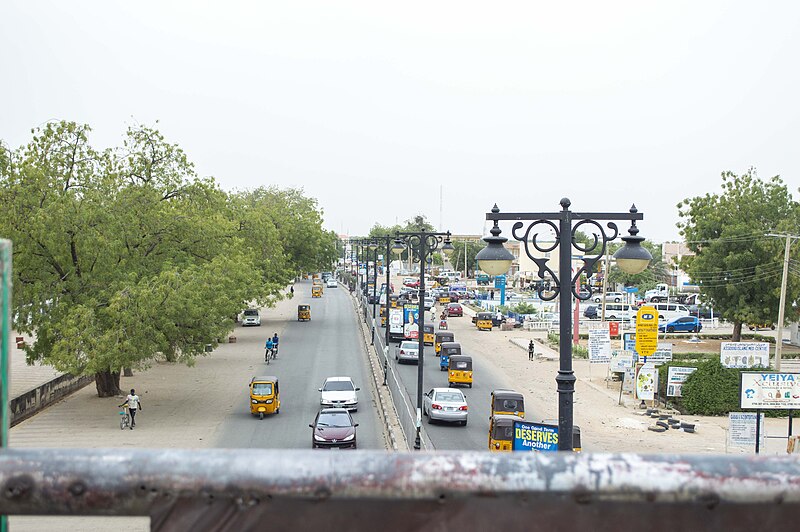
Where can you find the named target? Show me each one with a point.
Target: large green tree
(123, 256)
(468, 249)
(738, 267)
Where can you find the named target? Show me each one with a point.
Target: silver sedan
(445, 404)
(407, 351)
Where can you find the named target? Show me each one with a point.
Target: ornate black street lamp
(632, 258)
(422, 244)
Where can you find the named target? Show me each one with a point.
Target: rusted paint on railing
(244, 489)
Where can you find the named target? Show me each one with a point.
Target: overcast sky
(372, 107)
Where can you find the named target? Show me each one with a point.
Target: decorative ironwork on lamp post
(421, 244)
(632, 258)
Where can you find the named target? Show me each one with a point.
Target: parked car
(339, 392)
(373, 298)
(408, 280)
(251, 317)
(429, 303)
(615, 297)
(407, 351)
(455, 309)
(445, 404)
(333, 428)
(757, 326)
(704, 313)
(591, 312)
(684, 324)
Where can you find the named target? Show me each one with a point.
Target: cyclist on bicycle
(275, 343)
(269, 346)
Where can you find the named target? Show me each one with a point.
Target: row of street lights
(495, 259)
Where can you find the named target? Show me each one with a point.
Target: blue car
(684, 324)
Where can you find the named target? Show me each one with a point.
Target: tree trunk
(127, 372)
(737, 331)
(107, 383)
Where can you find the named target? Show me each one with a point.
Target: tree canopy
(124, 255)
(737, 266)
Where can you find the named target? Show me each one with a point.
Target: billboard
(411, 322)
(770, 390)
(676, 376)
(599, 344)
(535, 437)
(744, 354)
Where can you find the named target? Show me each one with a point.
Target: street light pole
(424, 243)
(373, 245)
(494, 259)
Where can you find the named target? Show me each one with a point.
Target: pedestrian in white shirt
(134, 405)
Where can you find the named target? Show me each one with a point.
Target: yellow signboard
(646, 331)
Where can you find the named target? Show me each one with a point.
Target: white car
(251, 317)
(614, 297)
(429, 303)
(445, 404)
(332, 283)
(339, 392)
(407, 351)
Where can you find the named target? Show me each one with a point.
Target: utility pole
(782, 305)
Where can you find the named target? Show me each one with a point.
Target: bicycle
(125, 419)
(269, 354)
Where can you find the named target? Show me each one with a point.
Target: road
(473, 436)
(328, 345)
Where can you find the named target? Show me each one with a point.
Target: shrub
(712, 390)
(524, 308)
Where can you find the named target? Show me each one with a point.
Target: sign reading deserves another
(535, 437)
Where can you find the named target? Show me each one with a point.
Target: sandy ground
(606, 425)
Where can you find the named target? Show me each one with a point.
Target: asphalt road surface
(329, 345)
(453, 436)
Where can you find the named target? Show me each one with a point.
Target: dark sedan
(455, 309)
(333, 428)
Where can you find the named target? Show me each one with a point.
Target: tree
(123, 256)
(471, 248)
(737, 267)
(656, 272)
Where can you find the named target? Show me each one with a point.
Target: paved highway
(473, 436)
(328, 345)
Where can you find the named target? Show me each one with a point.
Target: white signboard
(676, 376)
(663, 354)
(630, 378)
(744, 354)
(770, 390)
(742, 429)
(599, 345)
(646, 382)
(620, 361)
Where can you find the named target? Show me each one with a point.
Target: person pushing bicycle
(134, 404)
(268, 347)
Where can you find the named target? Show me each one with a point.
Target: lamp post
(632, 258)
(373, 245)
(421, 244)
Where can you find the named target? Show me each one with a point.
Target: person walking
(291, 290)
(134, 404)
(530, 350)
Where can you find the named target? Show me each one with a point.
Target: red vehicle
(454, 309)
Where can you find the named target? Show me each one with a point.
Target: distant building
(671, 254)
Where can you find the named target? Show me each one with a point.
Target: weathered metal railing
(366, 490)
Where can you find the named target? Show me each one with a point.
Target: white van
(618, 311)
(670, 311)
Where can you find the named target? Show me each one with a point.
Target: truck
(396, 333)
(482, 278)
(658, 294)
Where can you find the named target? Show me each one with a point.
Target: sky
(385, 110)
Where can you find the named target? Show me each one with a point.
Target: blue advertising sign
(629, 341)
(499, 281)
(535, 437)
(411, 322)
